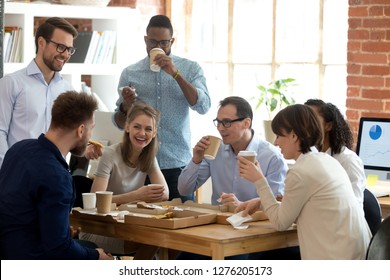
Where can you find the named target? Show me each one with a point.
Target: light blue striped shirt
(224, 172)
(25, 104)
(161, 91)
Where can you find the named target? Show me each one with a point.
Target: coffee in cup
(212, 149)
(249, 155)
(103, 202)
(152, 55)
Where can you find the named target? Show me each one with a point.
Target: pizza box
(92, 214)
(144, 208)
(193, 206)
(223, 211)
(178, 219)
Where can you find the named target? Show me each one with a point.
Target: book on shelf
(94, 47)
(81, 43)
(109, 57)
(7, 37)
(12, 44)
(101, 53)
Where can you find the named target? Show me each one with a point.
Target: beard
(80, 148)
(51, 65)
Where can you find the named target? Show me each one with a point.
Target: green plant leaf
(276, 94)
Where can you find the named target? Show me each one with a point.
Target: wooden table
(385, 205)
(215, 240)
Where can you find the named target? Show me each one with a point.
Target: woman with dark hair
(338, 142)
(318, 195)
(123, 169)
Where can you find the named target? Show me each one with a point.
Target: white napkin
(237, 220)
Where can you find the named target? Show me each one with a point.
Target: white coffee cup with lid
(249, 155)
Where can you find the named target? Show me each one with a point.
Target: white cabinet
(104, 77)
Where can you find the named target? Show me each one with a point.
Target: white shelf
(104, 76)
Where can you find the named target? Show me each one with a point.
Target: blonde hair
(148, 154)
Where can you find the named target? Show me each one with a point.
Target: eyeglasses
(162, 43)
(62, 48)
(226, 122)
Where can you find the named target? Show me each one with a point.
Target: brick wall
(368, 80)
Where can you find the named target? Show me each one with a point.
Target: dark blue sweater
(36, 197)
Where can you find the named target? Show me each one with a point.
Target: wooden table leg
(163, 253)
(217, 252)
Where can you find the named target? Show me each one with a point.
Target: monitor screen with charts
(373, 146)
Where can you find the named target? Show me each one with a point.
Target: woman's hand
(249, 206)
(151, 193)
(249, 170)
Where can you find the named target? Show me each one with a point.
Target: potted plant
(274, 96)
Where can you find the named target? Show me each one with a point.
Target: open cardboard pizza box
(92, 214)
(172, 219)
(185, 214)
(223, 211)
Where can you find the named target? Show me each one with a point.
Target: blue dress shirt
(224, 172)
(25, 104)
(163, 92)
(36, 197)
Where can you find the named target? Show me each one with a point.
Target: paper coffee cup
(89, 200)
(152, 55)
(249, 155)
(212, 149)
(103, 202)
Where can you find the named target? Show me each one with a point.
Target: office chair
(81, 184)
(372, 211)
(379, 248)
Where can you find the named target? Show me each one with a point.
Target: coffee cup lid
(247, 153)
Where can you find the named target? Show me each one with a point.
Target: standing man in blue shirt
(234, 123)
(36, 189)
(177, 88)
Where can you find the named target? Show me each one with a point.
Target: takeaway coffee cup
(89, 200)
(152, 55)
(249, 155)
(103, 202)
(212, 149)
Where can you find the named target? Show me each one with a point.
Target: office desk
(385, 205)
(213, 240)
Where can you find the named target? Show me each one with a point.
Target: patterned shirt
(163, 92)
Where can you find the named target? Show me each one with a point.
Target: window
(243, 43)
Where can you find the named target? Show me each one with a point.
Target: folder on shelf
(81, 43)
(92, 47)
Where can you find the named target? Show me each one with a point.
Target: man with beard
(27, 95)
(36, 189)
(178, 87)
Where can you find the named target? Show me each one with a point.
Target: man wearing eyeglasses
(234, 124)
(178, 87)
(27, 95)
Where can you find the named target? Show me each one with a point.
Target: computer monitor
(373, 146)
